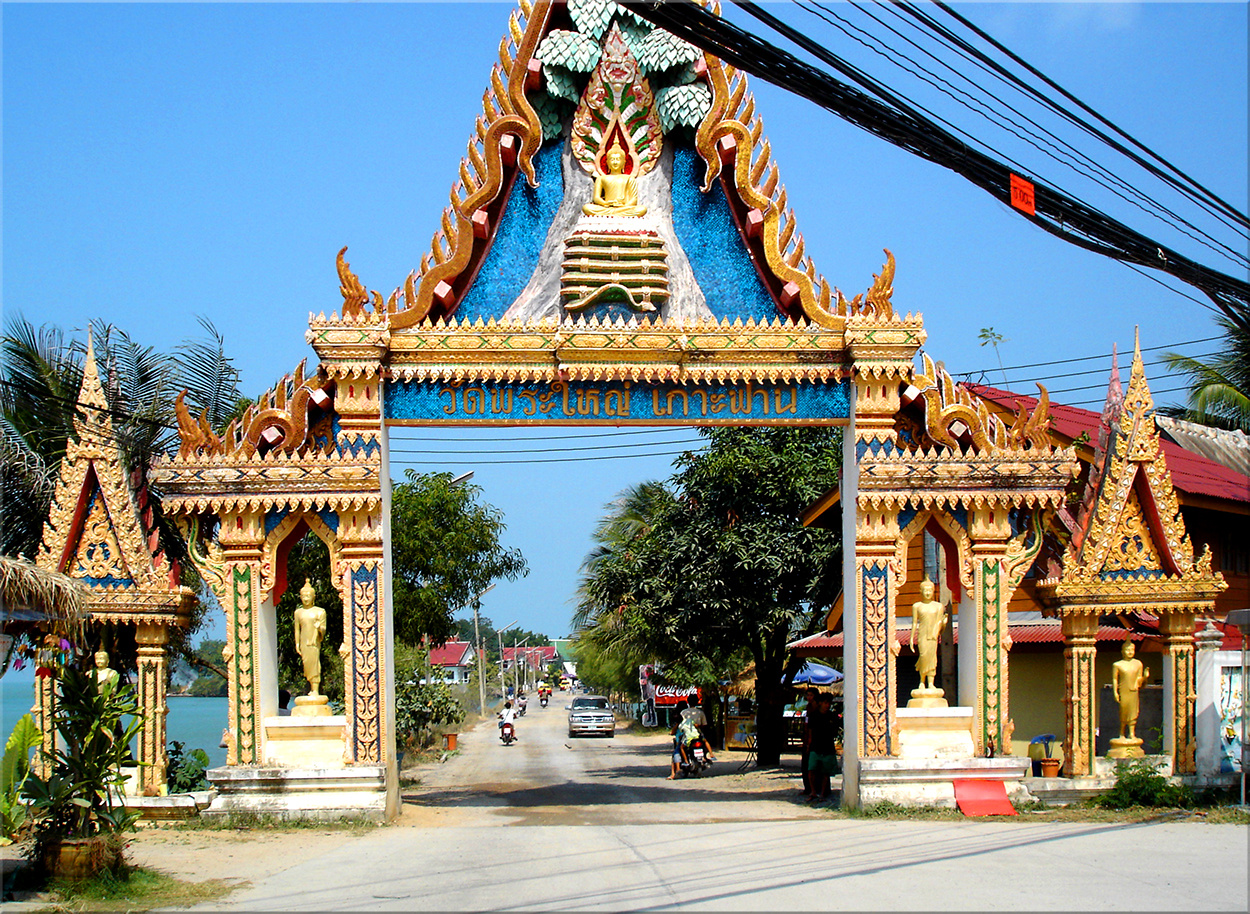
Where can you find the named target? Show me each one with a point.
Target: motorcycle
(507, 733)
(542, 701)
(520, 709)
(696, 761)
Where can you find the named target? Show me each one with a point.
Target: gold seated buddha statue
(616, 193)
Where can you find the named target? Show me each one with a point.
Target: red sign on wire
(1022, 195)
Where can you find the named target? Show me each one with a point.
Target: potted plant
(1047, 766)
(78, 817)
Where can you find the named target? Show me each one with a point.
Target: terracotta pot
(1050, 767)
(77, 859)
(449, 740)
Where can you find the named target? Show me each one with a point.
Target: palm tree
(629, 518)
(1219, 386)
(40, 376)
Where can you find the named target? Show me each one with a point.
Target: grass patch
(895, 811)
(247, 822)
(133, 889)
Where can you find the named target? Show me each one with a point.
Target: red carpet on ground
(982, 798)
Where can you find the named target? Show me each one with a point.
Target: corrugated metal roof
(1228, 448)
(453, 653)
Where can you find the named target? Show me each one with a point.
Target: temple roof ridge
(545, 55)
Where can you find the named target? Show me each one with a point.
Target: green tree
(40, 376)
(211, 680)
(725, 566)
(445, 551)
(1219, 386)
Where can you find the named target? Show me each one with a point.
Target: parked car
(591, 714)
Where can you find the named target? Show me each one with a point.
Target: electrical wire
(1214, 200)
(1059, 150)
(1055, 212)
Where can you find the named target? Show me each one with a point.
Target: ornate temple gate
(618, 251)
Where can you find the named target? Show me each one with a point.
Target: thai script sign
(614, 402)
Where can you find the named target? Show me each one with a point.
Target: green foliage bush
(13, 772)
(77, 800)
(185, 771)
(421, 710)
(1139, 783)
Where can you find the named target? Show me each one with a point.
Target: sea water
(195, 722)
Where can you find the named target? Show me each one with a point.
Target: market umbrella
(816, 674)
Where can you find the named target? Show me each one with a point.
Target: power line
(1223, 205)
(552, 459)
(1073, 158)
(898, 122)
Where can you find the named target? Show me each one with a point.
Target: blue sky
(163, 161)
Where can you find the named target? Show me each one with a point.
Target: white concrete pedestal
(300, 793)
(930, 782)
(933, 733)
(305, 742)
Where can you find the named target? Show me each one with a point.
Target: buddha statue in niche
(616, 193)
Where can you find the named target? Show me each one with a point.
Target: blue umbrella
(816, 674)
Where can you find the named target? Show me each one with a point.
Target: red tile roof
(1191, 473)
(453, 653)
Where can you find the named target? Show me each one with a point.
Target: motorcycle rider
(520, 704)
(508, 716)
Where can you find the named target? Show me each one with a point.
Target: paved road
(591, 824)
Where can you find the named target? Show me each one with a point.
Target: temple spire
(92, 418)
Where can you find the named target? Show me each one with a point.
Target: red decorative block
(755, 223)
(481, 224)
(444, 294)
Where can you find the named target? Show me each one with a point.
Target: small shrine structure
(1129, 552)
(100, 531)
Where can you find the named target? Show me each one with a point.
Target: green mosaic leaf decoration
(551, 113)
(561, 83)
(593, 17)
(635, 37)
(682, 105)
(661, 51)
(681, 76)
(569, 50)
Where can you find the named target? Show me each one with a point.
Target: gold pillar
(151, 640)
(44, 713)
(1080, 632)
(990, 529)
(1177, 629)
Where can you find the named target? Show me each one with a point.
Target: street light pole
(499, 634)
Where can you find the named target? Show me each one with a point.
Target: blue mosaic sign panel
(615, 403)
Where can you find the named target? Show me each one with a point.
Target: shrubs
(13, 772)
(1138, 783)
(77, 801)
(421, 710)
(185, 772)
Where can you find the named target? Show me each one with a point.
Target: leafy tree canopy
(722, 564)
(1219, 385)
(445, 551)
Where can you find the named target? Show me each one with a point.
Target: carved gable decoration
(1129, 547)
(695, 210)
(100, 527)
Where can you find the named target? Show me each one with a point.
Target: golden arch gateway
(618, 249)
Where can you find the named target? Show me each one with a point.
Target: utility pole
(481, 659)
(477, 638)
